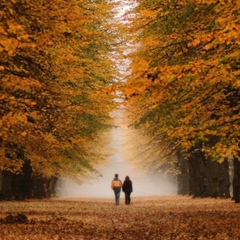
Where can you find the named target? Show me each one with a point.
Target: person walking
(116, 186)
(127, 189)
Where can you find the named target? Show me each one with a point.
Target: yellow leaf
(24, 134)
(195, 42)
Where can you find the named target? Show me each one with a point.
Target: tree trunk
(6, 189)
(25, 185)
(212, 178)
(197, 174)
(224, 179)
(52, 186)
(38, 187)
(236, 181)
(183, 176)
(16, 186)
(218, 181)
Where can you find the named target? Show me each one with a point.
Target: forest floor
(166, 218)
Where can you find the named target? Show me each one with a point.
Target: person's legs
(117, 197)
(126, 198)
(129, 198)
(115, 193)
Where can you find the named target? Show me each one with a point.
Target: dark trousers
(127, 198)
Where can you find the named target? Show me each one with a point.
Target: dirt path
(146, 218)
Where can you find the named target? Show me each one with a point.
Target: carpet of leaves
(166, 218)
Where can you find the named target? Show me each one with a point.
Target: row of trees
(55, 70)
(183, 91)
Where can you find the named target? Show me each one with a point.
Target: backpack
(116, 183)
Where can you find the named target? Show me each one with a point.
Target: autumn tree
(55, 69)
(184, 85)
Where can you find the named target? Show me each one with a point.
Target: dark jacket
(127, 186)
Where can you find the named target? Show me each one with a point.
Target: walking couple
(126, 188)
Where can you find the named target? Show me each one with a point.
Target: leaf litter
(166, 218)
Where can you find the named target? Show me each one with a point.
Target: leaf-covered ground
(146, 218)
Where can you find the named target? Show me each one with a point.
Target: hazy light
(144, 184)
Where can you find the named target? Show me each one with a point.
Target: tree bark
(236, 181)
(197, 174)
(183, 176)
(25, 185)
(218, 180)
(224, 179)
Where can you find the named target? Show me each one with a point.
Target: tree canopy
(184, 83)
(56, 69)
(60, 63)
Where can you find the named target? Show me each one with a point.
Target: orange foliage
(190, 83)
(55, 63)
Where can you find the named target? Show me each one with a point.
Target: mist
(124, 150)
(143, 184)
(119, 161)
